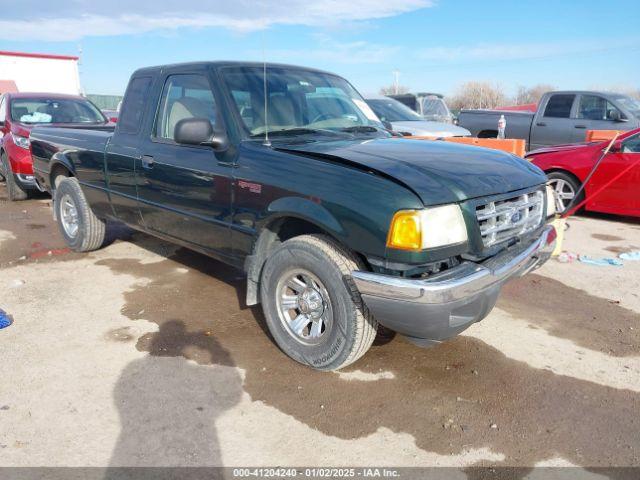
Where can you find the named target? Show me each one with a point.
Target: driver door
(623, 195)
(184, 191)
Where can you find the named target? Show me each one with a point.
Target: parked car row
(287, 174)
(408, 122)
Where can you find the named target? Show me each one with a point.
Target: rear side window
(133, 105)
(559, 106)
(184, 96)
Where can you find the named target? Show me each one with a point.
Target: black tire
(90, 229)
(570, 182)
(352, 329)
(14, 191)
(488, 134)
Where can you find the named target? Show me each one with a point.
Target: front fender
(305, 209)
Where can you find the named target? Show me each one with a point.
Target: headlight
(22, 142)
(428, 228)
(551, 201)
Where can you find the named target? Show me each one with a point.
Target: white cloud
(74, 19)
(515, 51)
(332, 51)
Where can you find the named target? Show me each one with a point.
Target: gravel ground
(144, 354)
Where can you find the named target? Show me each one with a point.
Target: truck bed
(82, 145)
(484, 123)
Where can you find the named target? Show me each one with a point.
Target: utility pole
(396, 81)
(80, 69)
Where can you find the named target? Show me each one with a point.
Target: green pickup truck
(285, 173)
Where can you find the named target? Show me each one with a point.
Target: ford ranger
(286, 173)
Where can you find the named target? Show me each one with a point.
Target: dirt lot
(144, 354)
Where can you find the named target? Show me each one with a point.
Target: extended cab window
(559, 106)
(593, 107)
(184, 96)
(133, 105)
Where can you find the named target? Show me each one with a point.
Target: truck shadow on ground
(168, 406)
(459, 396)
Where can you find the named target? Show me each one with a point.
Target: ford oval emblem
(516, 217)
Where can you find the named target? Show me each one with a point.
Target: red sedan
(567, 166)
(19, 112)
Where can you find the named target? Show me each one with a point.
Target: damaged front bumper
(433, 309)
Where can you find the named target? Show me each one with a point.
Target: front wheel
(566, 188)
(14, 190)
(81, 229)
(312, 306)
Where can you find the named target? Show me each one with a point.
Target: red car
(567, 166)
(19, 112)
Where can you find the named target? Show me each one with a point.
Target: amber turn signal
(406, 231)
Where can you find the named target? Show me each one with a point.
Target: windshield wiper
(295, 131)
(362, 129)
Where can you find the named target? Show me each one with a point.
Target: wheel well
(58, 171)
(566, 172)
(488, 134)
(272, 235)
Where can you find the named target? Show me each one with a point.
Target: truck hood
(434, 129)
(438, 172)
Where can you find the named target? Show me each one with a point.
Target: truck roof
(226, 63)
(43, 95)
(584, 92)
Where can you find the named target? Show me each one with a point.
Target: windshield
(298, 99)
(391, 110)
(63, 110)
(630, 104)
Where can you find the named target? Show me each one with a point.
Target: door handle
(222, 163)
(581, 126)
(541, 124)
(147, 162)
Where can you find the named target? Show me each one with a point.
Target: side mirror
(386, 124)
(615, 116)
(193, 131)
(198, 131)
(616, 147)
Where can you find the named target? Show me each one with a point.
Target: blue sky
(435, 45)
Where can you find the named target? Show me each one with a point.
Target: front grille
(509, 218)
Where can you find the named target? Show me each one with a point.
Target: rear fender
(58, 160)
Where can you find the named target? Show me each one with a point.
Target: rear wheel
(566, 186)
(81, 229)
(312, 306)
(15, 191)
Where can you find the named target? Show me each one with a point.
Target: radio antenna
(267, 142)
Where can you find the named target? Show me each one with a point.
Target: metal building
(35, 72)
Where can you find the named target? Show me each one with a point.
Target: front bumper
(433, 309)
